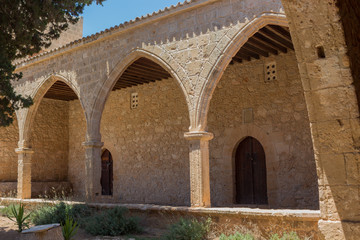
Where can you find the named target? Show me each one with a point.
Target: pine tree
(26, 27)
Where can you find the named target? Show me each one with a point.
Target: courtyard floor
(8, 232)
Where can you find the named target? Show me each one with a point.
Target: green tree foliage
(26, 27)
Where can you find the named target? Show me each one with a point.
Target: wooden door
(106, 173)
(250, 168)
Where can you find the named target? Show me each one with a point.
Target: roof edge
(113, 31)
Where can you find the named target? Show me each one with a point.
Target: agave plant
(69, 228)
(17, 215)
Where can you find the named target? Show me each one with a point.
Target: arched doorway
(106, 173)
(144, 121)
(250, 173)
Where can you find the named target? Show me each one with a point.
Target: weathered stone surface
(195, 43)
(44, 232)
(280, 124)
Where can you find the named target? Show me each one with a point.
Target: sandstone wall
(149, 151)
(76, 163)
(280, 123)
(73, 33)
(50, 141)
(8, 158)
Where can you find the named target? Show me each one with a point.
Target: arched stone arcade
(148, 132)
(261, 89)
(44, 146)
(195, 42)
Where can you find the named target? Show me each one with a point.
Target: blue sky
(114, 12)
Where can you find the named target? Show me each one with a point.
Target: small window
(270, 72)
(134, 100)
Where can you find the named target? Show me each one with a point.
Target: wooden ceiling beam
(150, 65)
(61, 92)
(262, 45)
(237, 59)
(275, 37)
(258, 36)
(249, 53)
(142, 75)
(136, 79)
(148, 72)
(152, 69)
(129, 80)
(256, 50)
(280, 30)
(243, 56)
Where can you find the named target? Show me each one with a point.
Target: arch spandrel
(26, 116)
(227, 47)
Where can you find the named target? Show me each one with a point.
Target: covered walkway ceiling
(61, 91)
(141, 71)
(271, 39)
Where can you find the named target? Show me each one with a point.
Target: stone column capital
(93, 144)
(24, 150)
(199, 135)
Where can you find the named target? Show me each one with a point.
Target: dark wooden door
(106, 173)
(250, 165)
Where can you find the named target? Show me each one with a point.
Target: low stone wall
(8, 189)
(261, 223)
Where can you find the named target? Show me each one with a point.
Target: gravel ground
(8, 232)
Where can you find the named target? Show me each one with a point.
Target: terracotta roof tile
(95, 36)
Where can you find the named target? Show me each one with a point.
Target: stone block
(340, 202)
(333, 137)
(333, 169)
(43, 232)
(352, 164)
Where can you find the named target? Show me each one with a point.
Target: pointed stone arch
(26, 116)
(222, 61)
(164, 60)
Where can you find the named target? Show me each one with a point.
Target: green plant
(189, 229)
(58, 213)
(237, 236)
(17, 215)
(111, 222)
(69, 228)
(285, 236)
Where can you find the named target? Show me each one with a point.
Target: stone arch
(28, 115)
(165, 61)
(223, 60)
(232, 141)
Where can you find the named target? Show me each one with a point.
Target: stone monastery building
(210, 103)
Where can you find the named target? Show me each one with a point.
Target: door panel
(250, 173)
(106, 173)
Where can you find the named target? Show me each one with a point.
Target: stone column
(333, 110)
(199, 168)
(24, 172)
(92, 169)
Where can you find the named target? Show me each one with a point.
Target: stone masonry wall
(76, 163)
(8, 158)
(73, 33)
(50, 141)
(280, 124)
(150, 154)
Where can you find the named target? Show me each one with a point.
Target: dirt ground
(8, 232)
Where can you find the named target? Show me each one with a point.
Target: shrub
(69, 228)
(189, 229)
(58, 212)
(16, 213)
(285, 236)
(237, 236)
(111, 222)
